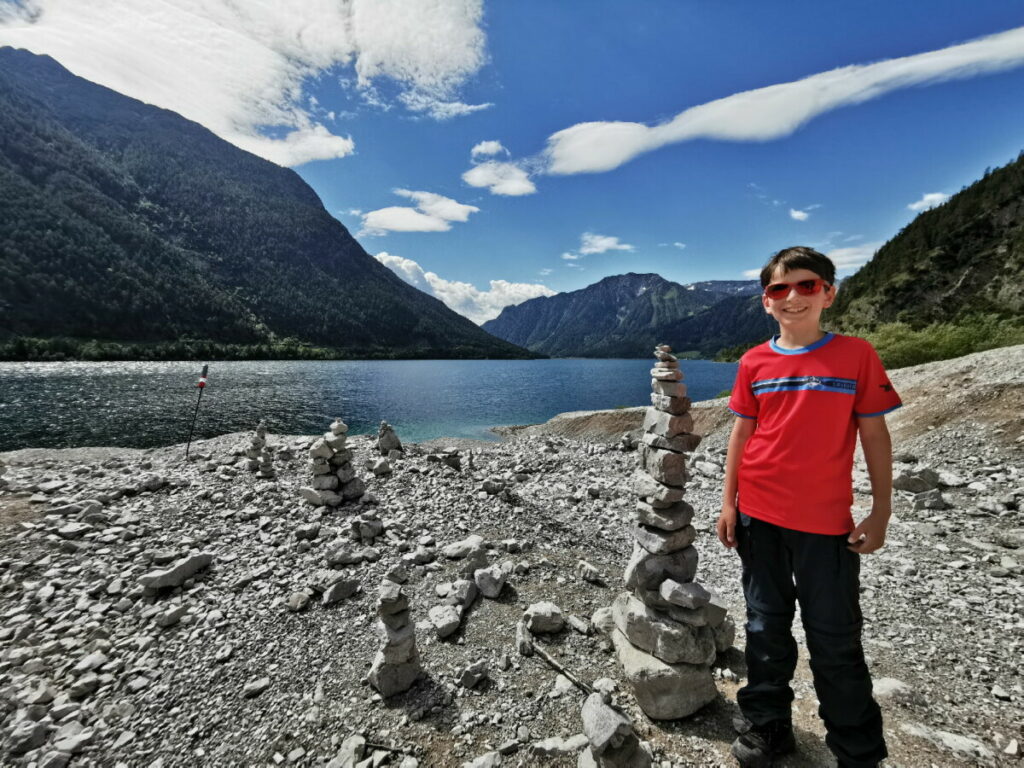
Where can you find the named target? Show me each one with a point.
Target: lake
(145, 404)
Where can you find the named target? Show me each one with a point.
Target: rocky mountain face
(622, 315)
(952, 263)
(124, 223)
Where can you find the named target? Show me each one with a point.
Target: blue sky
(392, 99)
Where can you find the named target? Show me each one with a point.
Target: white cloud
(592, 243)
(679, 245)
(546, 271)
(568, 256)
(500, 178)
(488, 148)
(852, 258)
(465, 298)
(439, 206)
(930, 200)
(778, 110)
(798, 215)
(400, 219)
(433, 213)
(847, 260)
(239, 68)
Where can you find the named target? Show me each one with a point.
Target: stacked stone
(334, 478)
(397, 664)
(664, 629)
(259, 457)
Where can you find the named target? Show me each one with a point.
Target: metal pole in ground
(202, 387)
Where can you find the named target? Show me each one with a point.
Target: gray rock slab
(663, 691)
(669, 640)
(671, 518)
(667, 424)
(646, 570)
(544, 617)
(646, 486)
(661, 542)
(176, 575)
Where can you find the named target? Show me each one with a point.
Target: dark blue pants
(782, 567)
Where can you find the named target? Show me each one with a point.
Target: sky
(492, 152)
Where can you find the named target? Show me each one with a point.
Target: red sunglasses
(803, 287)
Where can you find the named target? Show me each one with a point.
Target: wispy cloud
(798, 215)
(570, 256)
(778, 110)
(847, 260)
(465, 298)
(929, 200)
(239, 68)
(433, 213)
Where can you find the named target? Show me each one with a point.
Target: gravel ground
(97, 671)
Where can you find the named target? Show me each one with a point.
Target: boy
(800, 399)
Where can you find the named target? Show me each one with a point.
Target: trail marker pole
(201, 386)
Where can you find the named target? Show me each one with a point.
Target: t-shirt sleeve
(742, 401)
(875, 393)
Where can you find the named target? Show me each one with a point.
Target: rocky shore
(158, 612)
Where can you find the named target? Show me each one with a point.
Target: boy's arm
(742, 429)
(869, 535)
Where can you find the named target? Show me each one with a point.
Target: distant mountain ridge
(127, 225)
(622, 315)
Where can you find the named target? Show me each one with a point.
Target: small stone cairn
(611, 740)
(396, 666)
(388, 443)
(667, 628)
(259, 457)
(334, 478)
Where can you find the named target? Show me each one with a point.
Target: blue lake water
(144, 404)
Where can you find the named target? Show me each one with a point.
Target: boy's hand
(726, 526)
(870, 534)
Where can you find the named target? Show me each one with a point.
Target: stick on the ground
(558, 667)
(399, 750)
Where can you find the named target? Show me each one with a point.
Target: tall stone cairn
(667, 628)
(334, 478)
(396, 667)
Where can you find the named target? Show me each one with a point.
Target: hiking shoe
(763, 743)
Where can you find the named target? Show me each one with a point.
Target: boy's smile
(798, 316)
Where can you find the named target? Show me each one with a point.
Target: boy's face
(796, 312)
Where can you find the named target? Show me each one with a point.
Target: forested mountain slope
(127, 230)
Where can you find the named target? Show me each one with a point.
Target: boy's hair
(800, 257)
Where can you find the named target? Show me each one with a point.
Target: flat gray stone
(667, 424)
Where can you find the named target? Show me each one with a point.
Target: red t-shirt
(797, 467)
